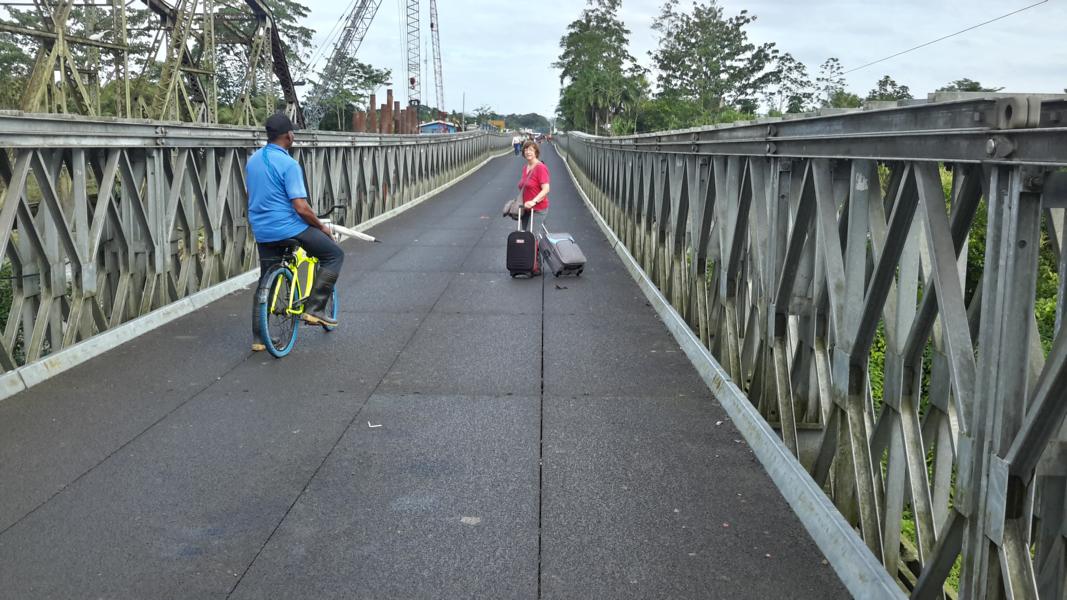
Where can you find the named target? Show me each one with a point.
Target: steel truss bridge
(173, 77)
(800, 257)
(789, 247)
(90, 59)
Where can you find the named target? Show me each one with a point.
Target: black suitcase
(522, 252)
(561, 253)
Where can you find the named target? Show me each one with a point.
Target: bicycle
(280, 308)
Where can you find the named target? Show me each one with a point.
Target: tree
(830, 82)
(483, 114)
(15, 66)
(705, 57)
(95, 67)
(966, 85)
(844, 99)
(889, 90)
(531, 121)
(354, 82)
(599, 78)
(795, 92)
(664, 114)
(234, 24)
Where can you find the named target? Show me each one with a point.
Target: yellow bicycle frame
(295, 304)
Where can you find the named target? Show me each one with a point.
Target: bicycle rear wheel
(278, 328)
(331, 310)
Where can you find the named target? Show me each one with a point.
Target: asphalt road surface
(461, 435)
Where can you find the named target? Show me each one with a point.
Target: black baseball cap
(278, 124)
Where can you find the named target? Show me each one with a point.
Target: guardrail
(833, 267)
(102, 221)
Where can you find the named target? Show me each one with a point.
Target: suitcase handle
(518, 223)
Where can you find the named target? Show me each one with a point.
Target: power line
(945, 37)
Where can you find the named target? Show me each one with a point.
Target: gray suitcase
(561, 253)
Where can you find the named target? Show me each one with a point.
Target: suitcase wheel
(579, 273)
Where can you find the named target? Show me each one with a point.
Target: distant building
(438, 127)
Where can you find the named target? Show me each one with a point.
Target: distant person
(516, 143)
(278, 210)
(534, 183)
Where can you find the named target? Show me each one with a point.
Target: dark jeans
(527, 214)
(315, 243)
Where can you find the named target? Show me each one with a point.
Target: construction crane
(437, 74)
(347, 44)
(414, 69)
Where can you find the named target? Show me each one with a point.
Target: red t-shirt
(531, 185)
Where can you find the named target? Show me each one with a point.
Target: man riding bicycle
(278, 211)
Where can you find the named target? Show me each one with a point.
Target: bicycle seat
(288, 244)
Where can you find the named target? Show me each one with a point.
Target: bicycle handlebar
(331, 211)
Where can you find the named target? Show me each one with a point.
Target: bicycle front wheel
(278, 327)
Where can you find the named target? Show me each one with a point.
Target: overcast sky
(499, 52)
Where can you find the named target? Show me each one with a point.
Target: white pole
(339, 230)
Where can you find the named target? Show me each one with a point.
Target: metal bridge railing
(104, 221)
(833, 266)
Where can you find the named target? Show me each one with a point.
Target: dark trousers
(315, 243)
(527, 215)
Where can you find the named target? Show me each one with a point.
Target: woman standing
(534, 183)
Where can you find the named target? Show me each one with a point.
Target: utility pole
(422, 81)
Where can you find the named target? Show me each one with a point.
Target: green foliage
(830, 82)
(843, 99)
(706, 57)
(1048, 284)
(1048, 280)
(795, 92)
(15, 66)
(966, 85)
(18, 52)
(6, 294)
(531, 121)
(288, 18)
(599, 78)
(665, 112)
(483, 114)
(350, 87)
(888, 89)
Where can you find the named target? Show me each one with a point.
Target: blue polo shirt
(274, 180)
